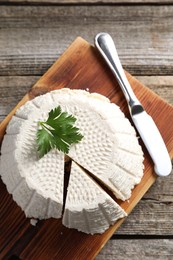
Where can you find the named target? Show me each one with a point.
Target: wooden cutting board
(80, 67)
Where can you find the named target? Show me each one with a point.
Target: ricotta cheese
(109, 150)
(88, 208)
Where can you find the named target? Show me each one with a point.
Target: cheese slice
(88, 208)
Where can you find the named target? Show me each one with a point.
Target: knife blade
(143, 122)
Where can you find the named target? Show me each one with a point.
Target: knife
(143, 122)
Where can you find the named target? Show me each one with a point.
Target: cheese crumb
(33, 221)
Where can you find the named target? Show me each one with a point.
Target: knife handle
(154, 143)
(105, 44)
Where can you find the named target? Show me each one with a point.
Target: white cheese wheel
(109, 150)
(88, 208)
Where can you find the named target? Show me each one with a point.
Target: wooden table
(33, 34)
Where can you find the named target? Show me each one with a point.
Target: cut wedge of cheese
(88, 208)
(109, 150)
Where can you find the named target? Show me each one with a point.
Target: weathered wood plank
(145, 249)
(150, 217)
(162, 190)
(33, 37)
(12, 89)
(88, 1)
(162, 85)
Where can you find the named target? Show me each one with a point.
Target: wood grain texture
(12, 90)
(69, 72)
(161, 85)
(32, 37)
(145, 249)
(87, 1)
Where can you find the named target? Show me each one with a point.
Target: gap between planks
(87, 2)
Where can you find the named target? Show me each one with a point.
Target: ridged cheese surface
(88, 208)
(110, 148)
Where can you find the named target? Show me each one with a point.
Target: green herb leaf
(57, 132)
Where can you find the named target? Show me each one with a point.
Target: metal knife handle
(143, 122)
(106, 46)
(154, 143)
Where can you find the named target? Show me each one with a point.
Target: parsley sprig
(57, 132)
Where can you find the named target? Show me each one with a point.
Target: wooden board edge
(35, 90)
